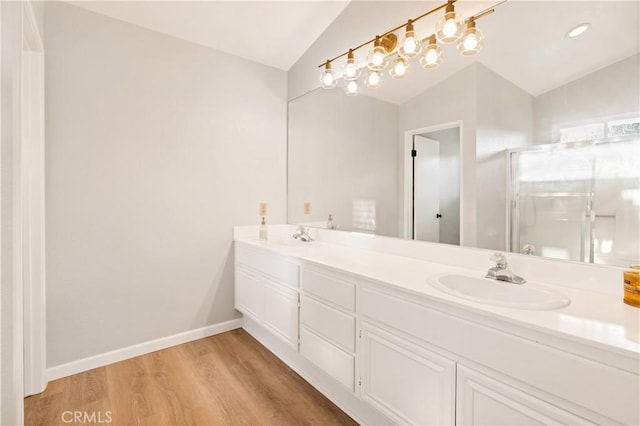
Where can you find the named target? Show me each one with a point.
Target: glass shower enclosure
(576, 201)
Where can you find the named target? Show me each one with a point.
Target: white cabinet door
(249, 294)
(281, 312)
(482, 400)
(406, 382)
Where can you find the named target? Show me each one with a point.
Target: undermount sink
(500, 293)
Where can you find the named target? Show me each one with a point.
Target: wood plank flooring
(227, 379)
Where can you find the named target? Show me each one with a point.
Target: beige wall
(156, 147)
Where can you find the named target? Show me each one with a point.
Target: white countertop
(597, 319)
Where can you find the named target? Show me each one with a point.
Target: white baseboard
(117, 355)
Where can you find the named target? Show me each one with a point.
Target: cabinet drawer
(332, 324)
(332, 360)
(269, 264)
(329, 286)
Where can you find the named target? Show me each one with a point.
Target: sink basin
(500, 293)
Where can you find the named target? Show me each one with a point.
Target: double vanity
(401, 332)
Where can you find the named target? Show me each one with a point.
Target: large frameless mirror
(532, 144)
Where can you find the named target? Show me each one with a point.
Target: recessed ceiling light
(578, 30)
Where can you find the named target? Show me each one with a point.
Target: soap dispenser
(264, 232)
(330, 224)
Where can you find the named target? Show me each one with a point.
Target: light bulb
(327, 78)
(471, 41)
(374, 79)
(351, 89)
(432, 55)
(351, 68)
(409, 43)
(399, 69)
(450, 26)
(377, 58)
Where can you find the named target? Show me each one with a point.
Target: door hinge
(361, 334)
(414, 153)
(360, 382)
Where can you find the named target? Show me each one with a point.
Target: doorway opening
(432, 186)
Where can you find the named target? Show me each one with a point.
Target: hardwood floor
(227, 379)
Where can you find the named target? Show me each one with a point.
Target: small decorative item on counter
(632, 286)
(330, 224)
(264, 232)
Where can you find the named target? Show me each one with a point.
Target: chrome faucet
(302, 234)
(502, 272)
(528, 249)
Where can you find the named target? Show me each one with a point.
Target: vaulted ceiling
(274, 33)
(525, 40)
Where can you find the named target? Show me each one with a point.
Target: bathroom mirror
(532, 143)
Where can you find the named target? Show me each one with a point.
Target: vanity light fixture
(449, 29)
(578, 30)
(327, 78)
(472, 39)
(450, 26)
(382, 46)
(410, 43)
(399, 68)
(351, 88)
(374, 79)
(351, 68)
(432, 55)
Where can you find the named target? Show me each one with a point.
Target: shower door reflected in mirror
(577, 201)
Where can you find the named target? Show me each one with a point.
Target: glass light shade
(352, 88)
(351, 70)
(399, 69)
(449, 28)
(328, 79)
(410, 45)
(432, 56)
(374, 79)
(471, 42)
(377, 58)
